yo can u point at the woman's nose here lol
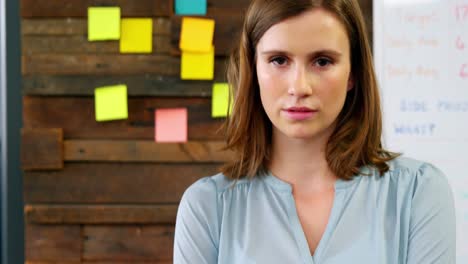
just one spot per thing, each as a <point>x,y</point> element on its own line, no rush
<point>301,83</point>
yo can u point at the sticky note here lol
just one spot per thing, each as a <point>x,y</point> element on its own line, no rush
<point>196,34</point>
<point>171,125</point>
<point>220,100</point>
<point>197,66</point>
<point>103,23</point>
<point>136,35</point>
<point>111,103</point>
<point>190,7</point>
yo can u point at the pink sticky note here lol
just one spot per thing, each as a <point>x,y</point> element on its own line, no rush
<point>170,125</point>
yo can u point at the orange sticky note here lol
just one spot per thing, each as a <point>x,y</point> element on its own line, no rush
<point>171,125</point>
<point>196,34</point>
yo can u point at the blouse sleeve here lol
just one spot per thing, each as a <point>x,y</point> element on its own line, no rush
<point>196,231</point>
<point>432,236</point>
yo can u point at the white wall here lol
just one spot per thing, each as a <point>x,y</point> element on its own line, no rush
<point>421,56</point>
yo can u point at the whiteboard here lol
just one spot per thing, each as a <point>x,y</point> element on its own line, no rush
<point>421,59</point>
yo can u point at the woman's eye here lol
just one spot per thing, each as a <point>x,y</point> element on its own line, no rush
<point>322,62</point>
<point>280,61</point>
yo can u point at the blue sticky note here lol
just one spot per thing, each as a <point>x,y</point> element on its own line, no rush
<point>190,7</point>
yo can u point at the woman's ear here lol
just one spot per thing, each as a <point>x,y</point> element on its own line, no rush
<point>350,82</point>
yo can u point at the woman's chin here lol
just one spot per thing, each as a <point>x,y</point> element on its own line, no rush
<point>300,135</point>
<point>304,133</point>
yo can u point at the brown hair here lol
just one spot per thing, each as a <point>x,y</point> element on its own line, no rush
<point>356,140</point>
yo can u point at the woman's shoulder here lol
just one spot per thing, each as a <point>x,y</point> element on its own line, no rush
<point>414,168</point>
<point>209,185</point>
<point>209,188</point>
<point>203,198</point>
<point>416,175</point>
<point>425,192</point>
<point>403,163</point>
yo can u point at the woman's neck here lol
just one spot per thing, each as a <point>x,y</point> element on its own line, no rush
<point>302,163</point>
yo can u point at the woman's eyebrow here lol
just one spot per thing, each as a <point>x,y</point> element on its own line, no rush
<point>316,53</point>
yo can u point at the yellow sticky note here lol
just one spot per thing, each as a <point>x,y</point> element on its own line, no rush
<point>111,103</point>
<point>196,34</point>
<point>197,66</point>
<point>136,35</point>
<point>220,100</point>
<point>103,23</point>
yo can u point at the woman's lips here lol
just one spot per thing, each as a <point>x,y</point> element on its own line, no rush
<point>299,113</point>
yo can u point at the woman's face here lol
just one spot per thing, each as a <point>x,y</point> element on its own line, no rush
<point>303,69</point>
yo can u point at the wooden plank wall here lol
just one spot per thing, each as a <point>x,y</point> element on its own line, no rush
<point>106,192</point>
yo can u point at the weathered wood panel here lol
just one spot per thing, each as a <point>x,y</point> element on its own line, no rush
<point>144,151</point>
<point>127,262</point>
<point>76,117</point>
<point>227,4</point>
<point>100,214</point>
<point>42,149</point>
<point>38,44</point>
<point>92,64</point>
<point>78,26</point>
<point>78,8</point>
<point>105,64</point>
<point>113,183</point>
<point>51,152</point>
<point>137,85</point>
<point>53,262</point>
<point>128,243</point>
<point>53,243</point>
<point>366,7</point>
<point>100,262</point>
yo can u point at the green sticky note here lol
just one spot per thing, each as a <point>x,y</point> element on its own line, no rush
<point>111,103</point>
<point>220,100</point>
<point>103,23</point>
<point>137,35</point>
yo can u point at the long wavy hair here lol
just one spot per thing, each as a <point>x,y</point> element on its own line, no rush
<point>356,139</point>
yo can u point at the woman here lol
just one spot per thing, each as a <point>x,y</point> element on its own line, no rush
<point>310,182</point>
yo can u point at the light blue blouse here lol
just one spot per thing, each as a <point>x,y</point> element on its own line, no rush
<point>406,216</point>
